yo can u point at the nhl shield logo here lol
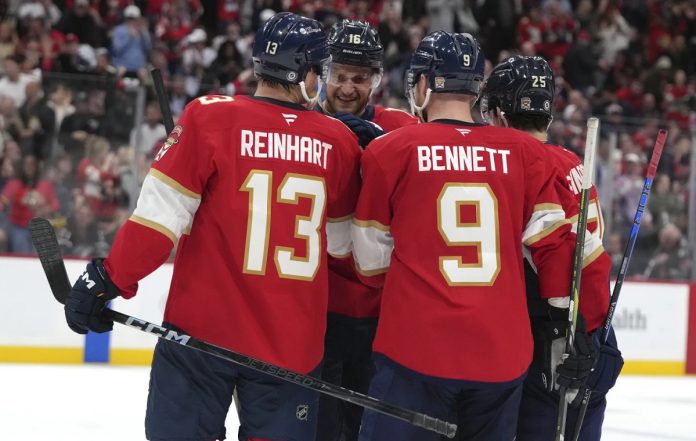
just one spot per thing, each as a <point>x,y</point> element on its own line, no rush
<point>439,83</point>
<point>526,103</point>
<point>302,412</point>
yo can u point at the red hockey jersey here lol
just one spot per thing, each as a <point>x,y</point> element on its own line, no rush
<point>446,206</point>
<point>250,183</point>
<point>347,295</point>
<point>594,284</point>
<point>391,119</point>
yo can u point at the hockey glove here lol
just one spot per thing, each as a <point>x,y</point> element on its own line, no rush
<point>608,366</point>
<point>365,130</point>
<point>87,300</point>
<point>557,368</point>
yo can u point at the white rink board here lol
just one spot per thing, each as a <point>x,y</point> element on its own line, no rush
<point>651,321</point>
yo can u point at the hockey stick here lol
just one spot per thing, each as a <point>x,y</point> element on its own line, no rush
<point>163,102</point>
<point>46,244</point>
<point>587,177</point>
<point>628,252</point>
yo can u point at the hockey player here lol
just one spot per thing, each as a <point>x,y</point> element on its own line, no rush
<point>444,208</point>
<point>357,59</point>
<point>520,94</point>
<point>354,73</point>
<point>246,186</point>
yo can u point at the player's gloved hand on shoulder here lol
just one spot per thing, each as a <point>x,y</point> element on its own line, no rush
<point>85,304</point>
<point>560,369</point>
<point>365,130</point>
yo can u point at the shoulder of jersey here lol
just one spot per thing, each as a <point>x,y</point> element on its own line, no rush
<point>564,153</point>
<point>336,125</point>
<point>213,109</point>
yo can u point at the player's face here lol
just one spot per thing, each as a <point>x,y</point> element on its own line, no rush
<point>348,88</point>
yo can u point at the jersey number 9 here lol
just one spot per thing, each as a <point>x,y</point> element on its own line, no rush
<point>481,233</point>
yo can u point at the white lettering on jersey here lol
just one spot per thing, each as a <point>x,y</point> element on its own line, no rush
<point>462,158</point>
<point>270,145</point>
<point>574,179</point>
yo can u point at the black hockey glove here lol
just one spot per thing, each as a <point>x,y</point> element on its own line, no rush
<point>558,368</point>
<point>365,130</point>
<point>87,300</point>
<point>608,366</point>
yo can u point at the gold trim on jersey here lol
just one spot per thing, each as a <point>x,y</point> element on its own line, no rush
<point>547,207</point>
<point>370,224</point>
<point>154,226</point>
<point>173,183</point>
<point>593,256</point>
<point>333,220</point>
<point>542,234</point>
<point>370,273</point>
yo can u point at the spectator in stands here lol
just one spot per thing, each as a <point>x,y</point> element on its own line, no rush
<point>664,204</point>
<point>84,22</point>
<point>25,197</point>
<point>14,83</point>
<point>144,137</point>
<point>671,259</point>
<point>614,33</point>
<point>77,127</point>
<point>223,70</point>
<point>39,121</point>
<point>178,98</point>
<point>614,246</point>
<point>131,44</point>
<point>8,42</point>
<point>69,59</point>
<point>196,59</point>
<point>81,236</point>
<point>98,179</point>
<point>60,101</point>
<point>580,63</point>
<point>629,187</point>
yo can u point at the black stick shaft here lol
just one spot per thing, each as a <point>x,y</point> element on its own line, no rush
<point>163,100</point>
<point>44,239</point>
<point>415,418</point>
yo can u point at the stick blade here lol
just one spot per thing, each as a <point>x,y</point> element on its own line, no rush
<point>46,244</point>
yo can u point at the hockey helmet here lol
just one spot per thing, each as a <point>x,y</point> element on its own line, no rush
<point>356,43</point>
<point>451,62</point>
<point>519,85</point>
<point>288,46</point>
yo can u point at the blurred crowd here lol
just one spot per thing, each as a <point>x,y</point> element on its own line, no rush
<point>79,121</point>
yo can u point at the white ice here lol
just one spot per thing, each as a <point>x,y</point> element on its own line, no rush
<point>105,403</point>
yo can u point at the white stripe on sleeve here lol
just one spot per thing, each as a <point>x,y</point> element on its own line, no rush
<point>161,203</point>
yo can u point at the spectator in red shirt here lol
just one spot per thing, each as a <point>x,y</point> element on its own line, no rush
<point>27,197</point>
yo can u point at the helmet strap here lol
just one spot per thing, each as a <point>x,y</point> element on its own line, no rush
<point>415,108</point>
<point>311,102</point>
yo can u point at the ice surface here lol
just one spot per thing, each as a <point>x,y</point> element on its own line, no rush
<point>87,402</point>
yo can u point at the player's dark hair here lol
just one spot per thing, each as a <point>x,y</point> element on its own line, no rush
<point>275,84</point>
<point>527,122</point>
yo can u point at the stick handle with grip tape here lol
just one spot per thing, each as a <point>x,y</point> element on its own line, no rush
<point>44,239</point>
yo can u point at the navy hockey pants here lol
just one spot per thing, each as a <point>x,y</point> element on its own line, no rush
<point>483,411</point>
<point>348,363</point>
<point>191,392</point>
